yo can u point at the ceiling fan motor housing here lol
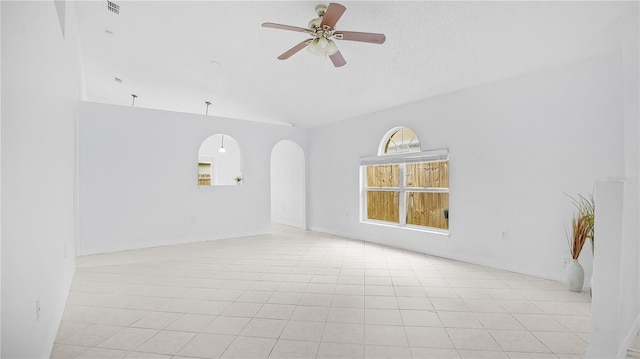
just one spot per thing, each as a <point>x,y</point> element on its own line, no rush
<point>315,23</point>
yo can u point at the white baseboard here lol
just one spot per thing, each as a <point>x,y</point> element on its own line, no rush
<point>171,242</point>
<point>290,224</point>
<point>462,258</point>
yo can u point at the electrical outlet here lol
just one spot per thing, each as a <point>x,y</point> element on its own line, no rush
<point>505,235</point>
<point>37,310</point>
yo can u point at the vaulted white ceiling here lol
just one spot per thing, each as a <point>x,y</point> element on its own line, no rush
<point>176,55</point>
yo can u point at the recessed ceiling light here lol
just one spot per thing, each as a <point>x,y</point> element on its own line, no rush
<point>118,80</point>
<point>108,32</point>
<point>215,63</point>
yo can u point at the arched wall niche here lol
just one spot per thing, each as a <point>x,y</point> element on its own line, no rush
<point>219,161</point>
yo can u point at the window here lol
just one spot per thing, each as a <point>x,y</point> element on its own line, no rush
<point>402,139</point>
<point>404,186</point>
<point>427,193</point>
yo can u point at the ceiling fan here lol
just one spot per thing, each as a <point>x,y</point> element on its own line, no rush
<point>323,32</point>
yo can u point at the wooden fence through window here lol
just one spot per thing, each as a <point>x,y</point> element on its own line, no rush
<point>427,174</point>
<point>383,206</point>
<point>383,176</point>
<point>429,209</point>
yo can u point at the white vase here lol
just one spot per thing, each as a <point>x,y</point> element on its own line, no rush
<point>575,276</point>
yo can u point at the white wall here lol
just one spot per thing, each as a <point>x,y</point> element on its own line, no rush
<point>0,185</point>
<point>615,317</point>
<point>630,263</point>
<point>288,184</point>
<point>515,146</point>
<point>40,89</point>
<point>138,178</point>
<point>615,304</point>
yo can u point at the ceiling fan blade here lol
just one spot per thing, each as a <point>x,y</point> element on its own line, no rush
<point>294,49</point>
<point>332,15</point>
<point>337,59</point>
<point>360,36</point>
<point>285,27</point>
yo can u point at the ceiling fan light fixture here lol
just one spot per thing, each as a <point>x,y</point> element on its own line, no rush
<point>331,47</point>
<point>315,48</point>
<point>322,46</point>
<point>323,42</point>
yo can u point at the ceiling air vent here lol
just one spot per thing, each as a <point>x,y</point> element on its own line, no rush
<point>113,7</point>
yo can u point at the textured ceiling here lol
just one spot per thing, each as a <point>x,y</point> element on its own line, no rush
<point>175,55</point>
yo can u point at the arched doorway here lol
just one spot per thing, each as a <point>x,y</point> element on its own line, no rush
<point>288,190</point>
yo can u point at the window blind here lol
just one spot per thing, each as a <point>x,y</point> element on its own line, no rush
<point>409,157</point>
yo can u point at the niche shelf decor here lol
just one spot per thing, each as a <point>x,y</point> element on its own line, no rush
<point>204,174</point>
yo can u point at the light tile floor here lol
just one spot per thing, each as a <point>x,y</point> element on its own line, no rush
<point>301,294</point>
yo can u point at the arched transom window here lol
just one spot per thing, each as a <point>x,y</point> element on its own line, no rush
<point>400,140</point>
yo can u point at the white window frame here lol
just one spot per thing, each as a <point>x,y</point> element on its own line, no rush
<point>400,159</point>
